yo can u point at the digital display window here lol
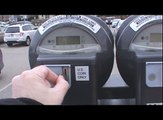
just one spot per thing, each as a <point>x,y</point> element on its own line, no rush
<point>156,37</point>
<point>67,40</point>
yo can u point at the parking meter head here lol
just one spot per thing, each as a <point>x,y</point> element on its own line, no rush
<point>79,46</point>
<point>139,39</point>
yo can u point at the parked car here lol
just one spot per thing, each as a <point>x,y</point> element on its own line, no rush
<point>19,33</point>
<point>120,23</point>
<point>20,22</point>
<point>1,35</point>
<point>115,23</point>
<point>2,29</point>
<point>1,61</point>
<point>109,20</point>
<point>3,24</point>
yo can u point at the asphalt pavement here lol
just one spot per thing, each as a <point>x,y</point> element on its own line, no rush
<point>15,61</point>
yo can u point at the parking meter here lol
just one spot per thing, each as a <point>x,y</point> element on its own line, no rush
<point>78,47</point>
<point>139,57</point>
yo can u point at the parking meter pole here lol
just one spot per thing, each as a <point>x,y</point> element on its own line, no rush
<point>116,93</point>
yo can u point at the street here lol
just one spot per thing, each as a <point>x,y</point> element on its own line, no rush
<point>15,61</point>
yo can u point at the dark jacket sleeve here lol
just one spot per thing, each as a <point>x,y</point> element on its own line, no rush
<point>19,101</point>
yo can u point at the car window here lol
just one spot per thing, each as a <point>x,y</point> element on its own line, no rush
<point>1,29</point>
<point>32,27</point>
<point>26,28</point>
<point>12,30</point>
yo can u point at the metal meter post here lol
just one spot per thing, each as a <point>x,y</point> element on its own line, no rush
<point>78,47</point>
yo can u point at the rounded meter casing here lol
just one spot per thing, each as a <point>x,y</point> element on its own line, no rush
<point>82,46</point>
<point>138,41</point>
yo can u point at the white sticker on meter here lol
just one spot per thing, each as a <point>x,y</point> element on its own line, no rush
<point>87,22</point>
<point>82,73</point>
<point>142,20</point>
<point>78,19</point>
<point>51,22</point>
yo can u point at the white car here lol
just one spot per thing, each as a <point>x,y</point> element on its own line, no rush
<point>19,33</point>
<point>120,23</point>
<point>115,22</point>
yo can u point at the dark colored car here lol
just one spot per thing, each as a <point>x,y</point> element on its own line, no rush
<point>1,61</point>
<point>1,35</point>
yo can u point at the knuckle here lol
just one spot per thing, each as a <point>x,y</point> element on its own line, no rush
<point>25,73</point>
<point>41,68</point>
<point>15,78</point>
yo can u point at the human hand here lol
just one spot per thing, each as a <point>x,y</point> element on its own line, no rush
<point>35,84</point>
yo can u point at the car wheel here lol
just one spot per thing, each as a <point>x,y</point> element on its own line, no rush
<point>28,41</point>
<point>9,44</point>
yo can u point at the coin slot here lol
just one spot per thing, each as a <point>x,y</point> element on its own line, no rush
<point>65,73</point>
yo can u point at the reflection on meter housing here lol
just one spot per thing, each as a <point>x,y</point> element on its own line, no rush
<point>68,40</point>
<point>80,48</point>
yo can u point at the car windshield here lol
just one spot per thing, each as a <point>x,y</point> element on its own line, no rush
<point>12,30</point>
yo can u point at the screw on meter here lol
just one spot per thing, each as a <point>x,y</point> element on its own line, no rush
<point>80,48</point>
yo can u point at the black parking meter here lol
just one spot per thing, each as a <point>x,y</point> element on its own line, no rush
<point>139,57</point>
<point>78,47</point>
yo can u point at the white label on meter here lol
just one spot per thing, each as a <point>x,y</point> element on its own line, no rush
<point>87,22</point>
<point>142,20</point>
<point>82,73</point>
<point>78,19</point>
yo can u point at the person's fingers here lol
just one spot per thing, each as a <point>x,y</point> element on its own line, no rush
<point>14,80</point>
<point>25,74</point>
<point>61,85</point>
<point>45,73</point>
<point>15,85</point>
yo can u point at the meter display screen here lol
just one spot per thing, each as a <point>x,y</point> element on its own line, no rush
<point>156,37</point>
<point>67,40</point>
<point>149,39</point>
